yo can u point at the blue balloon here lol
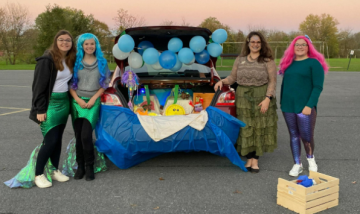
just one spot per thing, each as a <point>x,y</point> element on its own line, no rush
<point>151,56</point>
<point>167,59</point>
<point>186,55</point>
<point>126,43</point>
<point>143,46</point>
<point>202,57</point>
<point>219,36</point>
<point>197,44</point>
<point>175,44</point>
<point>178,64</point>
<point>214,49</point>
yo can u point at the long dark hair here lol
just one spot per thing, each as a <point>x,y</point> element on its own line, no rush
<point>265,51</point>
<point>57,56</point>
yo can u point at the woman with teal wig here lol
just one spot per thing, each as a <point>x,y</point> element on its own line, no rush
<point>90,80</point>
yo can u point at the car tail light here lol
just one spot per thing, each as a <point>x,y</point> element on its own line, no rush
<point>110,100</point>
<point>226,98</point>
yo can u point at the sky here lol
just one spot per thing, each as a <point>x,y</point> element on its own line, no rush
<point>238,14</point>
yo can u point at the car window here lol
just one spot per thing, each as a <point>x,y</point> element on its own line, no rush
<point>152,72</point>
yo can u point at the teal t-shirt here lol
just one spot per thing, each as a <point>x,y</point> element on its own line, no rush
<point>302,84</point>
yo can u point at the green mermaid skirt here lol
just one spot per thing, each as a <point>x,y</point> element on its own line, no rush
<point>260,132</point>
<point>57,114</point>
<point>92,114</point>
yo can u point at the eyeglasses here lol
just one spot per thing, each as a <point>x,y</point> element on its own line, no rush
<point>253,42</point>
<point>301,45</point>
<point>64,40</point>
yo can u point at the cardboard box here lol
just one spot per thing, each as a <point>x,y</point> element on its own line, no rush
<point>319,197</point>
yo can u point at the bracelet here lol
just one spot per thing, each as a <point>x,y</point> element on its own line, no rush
<point>270,97</point>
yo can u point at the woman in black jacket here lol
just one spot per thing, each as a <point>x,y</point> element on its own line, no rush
<point>50,109</point>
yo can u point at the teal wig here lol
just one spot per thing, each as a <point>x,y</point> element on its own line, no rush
<point>102,63</point>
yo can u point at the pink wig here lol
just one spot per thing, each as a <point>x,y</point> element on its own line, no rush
<point>289,55</point>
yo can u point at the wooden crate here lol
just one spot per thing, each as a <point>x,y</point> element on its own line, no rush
<point>207,97</point>
<point>322,196</point>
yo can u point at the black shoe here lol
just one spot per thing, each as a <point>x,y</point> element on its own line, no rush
<point>90,173</point>
<point>255,170</point>
<point>80,172</point>
<point>248,168</point>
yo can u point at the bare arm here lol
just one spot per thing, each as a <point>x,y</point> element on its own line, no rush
<point>80,101</point>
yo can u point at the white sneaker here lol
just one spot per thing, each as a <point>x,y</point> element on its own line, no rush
<point>42,182</point>
<point>58,176</point>
<point>296,170</point>
<point>312,164</point>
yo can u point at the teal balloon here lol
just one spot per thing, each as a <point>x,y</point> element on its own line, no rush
<point>167,59</point>
<point>214,49</point>
<point>178,64</point>
<point>197,44</point>
<point>203,57</point>
<point>175,44</point>
<point>186,55</point>
<point>151,56</point>
<point>126,43</point>
<point>219,36</point>
<point>143,46</point>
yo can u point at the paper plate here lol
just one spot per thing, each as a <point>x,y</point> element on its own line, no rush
<point>174,109</point>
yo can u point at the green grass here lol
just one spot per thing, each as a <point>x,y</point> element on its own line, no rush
<point>226,65</point>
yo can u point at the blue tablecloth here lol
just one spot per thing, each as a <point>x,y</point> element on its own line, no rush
<point>124,141</point>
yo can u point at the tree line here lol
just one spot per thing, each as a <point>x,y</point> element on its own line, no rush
<point>21,41</point>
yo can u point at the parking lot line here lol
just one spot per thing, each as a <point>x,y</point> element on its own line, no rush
<point>16,86</point>
<point>13,112</point>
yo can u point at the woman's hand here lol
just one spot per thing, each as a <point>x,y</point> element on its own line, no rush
<point>41,117</point>
<point>264,105</point>
<point>81,103</point>
<point>306,111</point>
<point>217,85</point>
<point>90,103</point>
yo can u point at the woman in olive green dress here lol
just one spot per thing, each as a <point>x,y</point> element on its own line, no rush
<point>255,72</point>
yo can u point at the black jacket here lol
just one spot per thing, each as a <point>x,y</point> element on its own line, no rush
<point>44,79</point>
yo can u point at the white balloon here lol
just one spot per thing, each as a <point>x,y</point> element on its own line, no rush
<point>118,54</point>
<point>135,60</point>
<point>156,66</point>
<point>190,63</point>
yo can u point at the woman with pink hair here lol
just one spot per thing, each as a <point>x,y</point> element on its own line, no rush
<point>303,70</point>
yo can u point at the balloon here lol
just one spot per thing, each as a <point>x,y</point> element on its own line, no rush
<point>186,55</point>
<point>214,49</point>
<point>178,64</point>
<point>126,43</point>
<point>192,62</point>
<point>118,54</point>
<point>197,44</point>
<point>202,57</point>
<point>151,56</point>
<point>143,46</point>
<point>175,44</point>
<point>167,59</point>
<point>219,36</point>
<point>135,60</point>
<point>156,66</point>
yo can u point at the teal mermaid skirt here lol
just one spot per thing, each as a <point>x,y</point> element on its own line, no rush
<point>57,114</point>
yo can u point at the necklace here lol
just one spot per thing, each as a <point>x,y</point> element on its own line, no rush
<point>252,58</point>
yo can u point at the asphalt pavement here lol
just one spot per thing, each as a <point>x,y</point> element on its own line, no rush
<point>196,182</point>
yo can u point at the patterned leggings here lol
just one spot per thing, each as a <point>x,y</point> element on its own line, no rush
<point>301,126</point>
